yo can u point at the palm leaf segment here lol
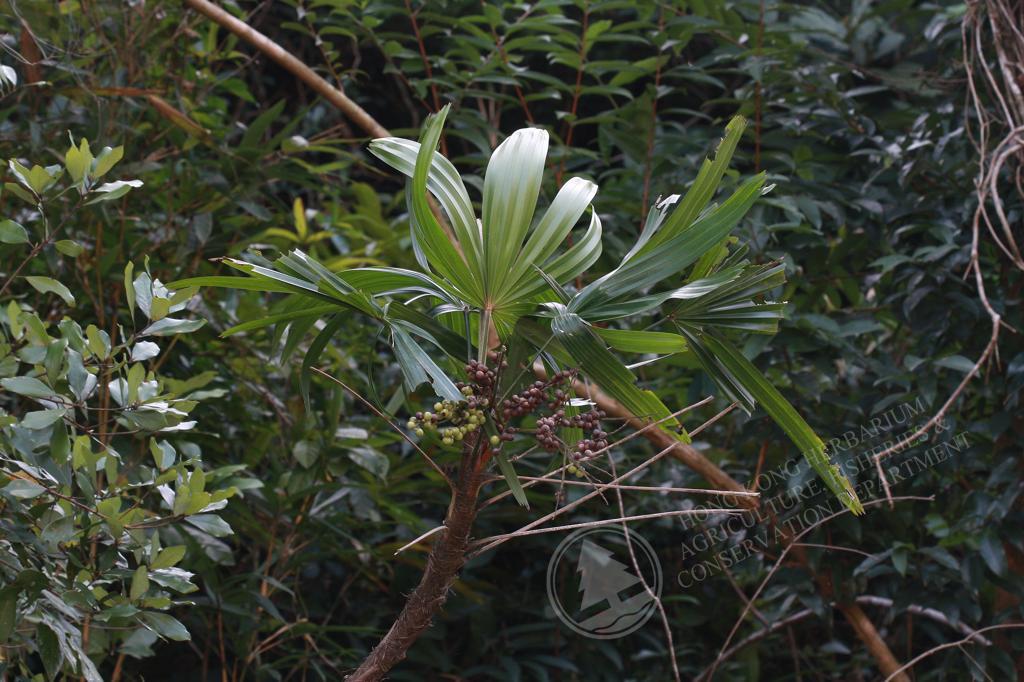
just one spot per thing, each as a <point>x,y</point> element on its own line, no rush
<point>507,269</point>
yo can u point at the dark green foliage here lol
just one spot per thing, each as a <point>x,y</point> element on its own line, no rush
<point>856,258</point>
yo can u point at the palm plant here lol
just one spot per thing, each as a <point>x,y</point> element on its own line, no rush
<point>503,284</point>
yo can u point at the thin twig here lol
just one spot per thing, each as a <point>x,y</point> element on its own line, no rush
<point>394,426</point>
<point>645,488</point>
<point>490,544</point>
<point>643,581</point>
<point>498,539</point>
<point>418,540</point>
<point>949,645</point>
<point>778,564</point>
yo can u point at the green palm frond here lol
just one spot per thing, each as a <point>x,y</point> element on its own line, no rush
<point>508,268</point>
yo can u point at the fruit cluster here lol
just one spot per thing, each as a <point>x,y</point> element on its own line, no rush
<point>598,440</point>
<point>453,421</point>
<point>463,418</point>
<point>532,397</point>
<point>547,430</point>
<point>480,374</point>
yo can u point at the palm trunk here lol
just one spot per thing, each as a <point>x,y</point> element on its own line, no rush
<point>446,559</point>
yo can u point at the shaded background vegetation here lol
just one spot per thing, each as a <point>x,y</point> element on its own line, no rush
<point>858,114</point>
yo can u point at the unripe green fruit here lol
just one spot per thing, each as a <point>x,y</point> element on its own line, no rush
<point>419,432</point>
<point>495,440</point>
<point>447,441</point>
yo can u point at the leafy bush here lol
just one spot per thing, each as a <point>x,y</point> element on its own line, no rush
<point>101,486</point>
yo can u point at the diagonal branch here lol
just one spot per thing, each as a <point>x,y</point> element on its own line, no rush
<point>292,64</point>
<point>315,81</point>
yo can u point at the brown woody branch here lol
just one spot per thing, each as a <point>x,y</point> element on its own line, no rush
<point>446,559</point>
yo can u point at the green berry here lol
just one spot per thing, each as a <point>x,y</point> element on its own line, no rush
<point>495,440</point>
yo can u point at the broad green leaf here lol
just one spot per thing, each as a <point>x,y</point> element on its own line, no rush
<point>168,557</point>
<point>106,160</point>
<point>8,611</point>
<point>163,454</point>
<point>114,190</point>
<point>43,419</point>
<point>144,350</point>
<point>49,650</point>
<point>140,583</point>
<point>129,287</point>
<point>370,459</point>
<point>78,160</point>
<point>48,285</point>
<point>27,386</point>
<point>69,247</point>
<point>299,216</point>
<point>12,233</point>
<point>169,326</point>
<point>99,341</point>
<point>164,625</point>
<point>20,192</point>
<point>23,489</point>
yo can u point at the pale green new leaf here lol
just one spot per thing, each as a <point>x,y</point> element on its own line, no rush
<point>445,183</point>
<point>428,237</point>
<point>511,186</point>
<point>554,226</point>
<point>565,267</point>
